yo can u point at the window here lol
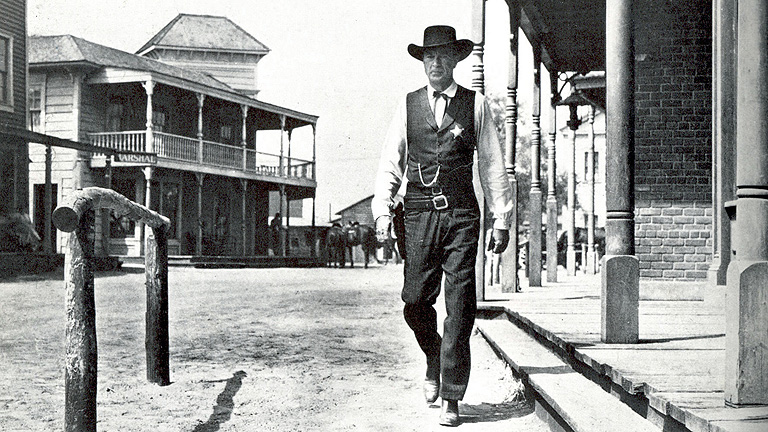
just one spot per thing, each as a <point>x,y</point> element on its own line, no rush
<point>226,133</point>
<point>158,121</point>
<point>115,119</point>
<point>35,107</point>
<point>6,71</point>
<point>122,227</point>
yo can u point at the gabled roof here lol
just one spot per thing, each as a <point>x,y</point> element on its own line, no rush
<point>204,32</point>
<point>357,203</point>
<point>68,49</point>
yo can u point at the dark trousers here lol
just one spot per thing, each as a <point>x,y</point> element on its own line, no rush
<point>442,243</point>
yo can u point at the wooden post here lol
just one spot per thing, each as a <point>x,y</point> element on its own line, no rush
<point>509,258</point>
<point>573,124</point>
<point>478,85</point>
<point>552,182</point>
<point>199,241</point>
<point>77,217</point>
<point>156,341</point>
<point>621,271</point>
<point>244,188</point>
<point>534,201</point>
<point>723,133</point>
<point>105,214</point>
<point>746,309</point>
<point>80,374</point>
<point>314,151</point>
<point>281,167</point>
<point>591,255</point>
<point>200,102</point>
<point>149,87</point>
<point>244,143</point>
<point>48,202</point>
<point>290,137</point>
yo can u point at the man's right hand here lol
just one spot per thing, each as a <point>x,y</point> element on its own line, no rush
<point>383,228</point>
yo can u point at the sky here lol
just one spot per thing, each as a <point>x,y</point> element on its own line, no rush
<point>342,60</point>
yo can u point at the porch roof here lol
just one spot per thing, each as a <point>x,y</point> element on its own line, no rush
<point>571,32</point>
<point>68,50</point>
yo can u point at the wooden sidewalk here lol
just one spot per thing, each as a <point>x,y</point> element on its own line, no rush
<point>674,377</point>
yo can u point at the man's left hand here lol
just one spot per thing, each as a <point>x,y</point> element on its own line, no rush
<point>499,240</point>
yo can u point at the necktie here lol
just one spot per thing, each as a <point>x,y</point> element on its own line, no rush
<point>441,102</point>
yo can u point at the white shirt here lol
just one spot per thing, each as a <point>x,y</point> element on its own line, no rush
<point>490,160</point>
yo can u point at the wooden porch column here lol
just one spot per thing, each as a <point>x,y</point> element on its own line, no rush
<point>244,143</point>
<point>48,202</point>
<point>200,102</point>
<point>290,137</point>
<point>621,274</point>
<point>570,255</point>
<point>591,258</point>
<point>148,174</point>
<point>244,184</point>
<point>284,214</point>
<point>723,133</point>
<point>534,201</point>
<point>282,133</point>
<point>149,87</point>
<point>478,84</point>
<point>552,182</point>
<point>199,241</point>
<point>746,309</point>
<point>314,153</point>
<point>509,258</point>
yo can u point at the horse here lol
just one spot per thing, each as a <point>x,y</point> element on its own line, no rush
<point>364,236</point>
<point>334,246</point>
<point>17,233</point>
<point>580,237</point>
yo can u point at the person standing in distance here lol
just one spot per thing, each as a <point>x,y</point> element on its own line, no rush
<point>431,144</point>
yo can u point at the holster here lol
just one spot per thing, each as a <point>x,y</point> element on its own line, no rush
<point>398,225</point>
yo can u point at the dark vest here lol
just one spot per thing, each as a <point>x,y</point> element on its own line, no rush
<point>450,146</point>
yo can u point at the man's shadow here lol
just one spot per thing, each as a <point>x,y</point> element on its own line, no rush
<point>225,403</point>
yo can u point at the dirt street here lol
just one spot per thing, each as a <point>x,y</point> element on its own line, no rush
<point>256,349</point>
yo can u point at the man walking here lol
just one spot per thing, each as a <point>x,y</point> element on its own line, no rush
<point>431,143</point>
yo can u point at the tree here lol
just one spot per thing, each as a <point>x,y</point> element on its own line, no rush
<point>497,104</point>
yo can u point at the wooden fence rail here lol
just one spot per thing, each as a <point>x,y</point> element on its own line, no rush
<point>77,217</point>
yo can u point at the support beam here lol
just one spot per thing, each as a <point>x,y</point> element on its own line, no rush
<point>48,202</point>
<point>723,133</point>
<point>509,258</point>
<point>244,189</point>
<point>149,88</point>
<point>591,255</point>
<point>281,162</point>
<point>478,85</point>
<point>621,270</point>
<point>746,310</point>
<point>552,182</point>
<point>199,241</point>
<point>570,255</point>
<point>534,201</point>
<point>200,102</point>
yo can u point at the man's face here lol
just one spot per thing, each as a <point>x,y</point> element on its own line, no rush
<point>439,63</point>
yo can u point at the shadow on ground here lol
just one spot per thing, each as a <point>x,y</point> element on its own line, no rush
<point>225,403</point>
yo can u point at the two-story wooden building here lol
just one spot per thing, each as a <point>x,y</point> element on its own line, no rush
<point>213,152</point>
<point>13,149</point>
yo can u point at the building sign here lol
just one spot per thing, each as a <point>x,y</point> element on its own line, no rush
<point>137,158</point>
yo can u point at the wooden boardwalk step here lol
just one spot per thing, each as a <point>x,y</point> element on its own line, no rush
<point>582,404</point>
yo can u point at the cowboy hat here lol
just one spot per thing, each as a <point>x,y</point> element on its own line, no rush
<point>441,35</point>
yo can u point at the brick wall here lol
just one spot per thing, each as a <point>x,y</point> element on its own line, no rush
<point>673,239</point>
<point>673,139</point>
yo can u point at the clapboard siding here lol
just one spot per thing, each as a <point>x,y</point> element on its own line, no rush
<point>13,24</point>
<point>59,96</point>
<point>93,110</point>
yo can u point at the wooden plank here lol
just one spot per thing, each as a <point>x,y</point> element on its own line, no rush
<point>584,405</point>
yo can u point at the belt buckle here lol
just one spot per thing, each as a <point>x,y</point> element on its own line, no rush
<point>440,202</point>
<point>437,191</point>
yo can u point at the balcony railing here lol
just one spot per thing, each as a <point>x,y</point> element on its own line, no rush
<point>185,149</point>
